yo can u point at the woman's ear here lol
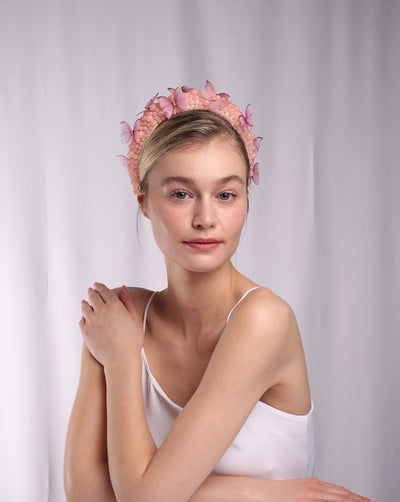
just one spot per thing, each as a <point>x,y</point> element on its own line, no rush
<point>142,204</point>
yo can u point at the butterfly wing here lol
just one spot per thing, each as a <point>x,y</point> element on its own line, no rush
<point>243,122</point>
<point>256,175</point>
<point>136,130</point>
<point>180,99</point>
<point>218,103</point>
<point>166,106</point>
<point>124,160</point>
<point>126,132</point>
<point>209,91</point>
<point>151,101</point>
<point>249,115</point>
<point>257,142</point>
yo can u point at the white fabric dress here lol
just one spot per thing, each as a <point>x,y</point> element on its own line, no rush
<point>271,444</point>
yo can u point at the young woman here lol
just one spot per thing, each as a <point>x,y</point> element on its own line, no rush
<point>198,392</point>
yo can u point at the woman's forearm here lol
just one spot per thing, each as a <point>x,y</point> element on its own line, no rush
<point>129,442</point>
<point>91,485</point>
<point>95,486</point>
<point>229,489</point>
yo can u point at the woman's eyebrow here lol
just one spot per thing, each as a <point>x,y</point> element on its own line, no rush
<point>189,181</point>
<point>232,177</point>
<point>177,179</point>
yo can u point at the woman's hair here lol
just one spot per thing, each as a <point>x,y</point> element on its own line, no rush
<point>186,129</point>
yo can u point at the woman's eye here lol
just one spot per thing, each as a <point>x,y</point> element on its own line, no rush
<point>226,195</point>
<point>180,195</point>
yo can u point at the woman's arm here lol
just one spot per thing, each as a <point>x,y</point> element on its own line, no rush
<point>120,388</point>
<point>286,490</point>
<point>86,474</point>
<point>86,471</point>
<point>250,353</point>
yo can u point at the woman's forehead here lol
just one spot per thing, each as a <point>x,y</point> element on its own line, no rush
<point>216,159</point>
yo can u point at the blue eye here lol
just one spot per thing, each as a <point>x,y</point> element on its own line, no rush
<point>226,195</point>
<point>180,194</point>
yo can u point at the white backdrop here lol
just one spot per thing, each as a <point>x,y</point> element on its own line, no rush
<point>323,79</point>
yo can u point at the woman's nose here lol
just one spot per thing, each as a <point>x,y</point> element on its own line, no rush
<point>204,215</point>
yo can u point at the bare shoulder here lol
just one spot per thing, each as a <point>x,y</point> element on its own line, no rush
<point>264,332</point>
<point>262,308</point>
<point>269,322</point>
<point>249,359</point>
<point>141,295</point>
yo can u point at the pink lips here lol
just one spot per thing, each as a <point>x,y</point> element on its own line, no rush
<point>204,244</point>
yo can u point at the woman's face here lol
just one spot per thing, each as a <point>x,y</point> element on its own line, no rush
<point>197,203</point>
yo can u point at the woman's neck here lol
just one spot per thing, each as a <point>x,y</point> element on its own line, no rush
<point>197,303</point>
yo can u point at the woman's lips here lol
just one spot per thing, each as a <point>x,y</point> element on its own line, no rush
<point>203,244</point>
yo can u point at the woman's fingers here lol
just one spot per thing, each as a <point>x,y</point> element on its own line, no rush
<point>86,308</point>
<point>95,298</point>
<point>98,297</point>
<point>329,492</point>
<point>345,494</point>
<point>310,490</point>
<point>105,293</point>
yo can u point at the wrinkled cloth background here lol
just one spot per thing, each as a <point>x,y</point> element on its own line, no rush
<point>323,80</point>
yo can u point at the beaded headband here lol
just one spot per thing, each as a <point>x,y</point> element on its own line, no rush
<point>180,100</point>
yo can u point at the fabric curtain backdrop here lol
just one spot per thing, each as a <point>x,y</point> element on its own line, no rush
<point>323,80</point>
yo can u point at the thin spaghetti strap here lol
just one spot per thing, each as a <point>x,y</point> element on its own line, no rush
<point>146,309</point>
<point>237,303</point>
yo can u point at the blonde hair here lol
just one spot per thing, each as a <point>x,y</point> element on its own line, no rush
<point>187,129</point>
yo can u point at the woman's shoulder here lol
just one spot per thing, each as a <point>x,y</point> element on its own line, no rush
<point>260,300</point>
<point>141,295</point>
<point>262,309</point>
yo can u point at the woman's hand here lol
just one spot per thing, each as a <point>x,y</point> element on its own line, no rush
<point>307,490</point>
<point>110,326</point>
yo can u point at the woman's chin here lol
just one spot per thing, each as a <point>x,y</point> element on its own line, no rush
<point>202,264</point>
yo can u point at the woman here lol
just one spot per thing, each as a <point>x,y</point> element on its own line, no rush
<point>198,392</point>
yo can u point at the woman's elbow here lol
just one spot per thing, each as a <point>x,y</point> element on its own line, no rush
<point>91,485</point>
<point>142,493</point>
<point>75,490</point>
<point>69,485</point>
<point>71,490</point>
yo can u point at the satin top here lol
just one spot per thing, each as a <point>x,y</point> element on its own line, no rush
<point>271,444</point>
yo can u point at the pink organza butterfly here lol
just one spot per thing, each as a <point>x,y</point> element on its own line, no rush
<point>247,118</point>
<point>257,142</point>
<point>124,161</point>
<point>126,131</point>
<point>217,100</point>
<point>180,99</point>
<point>166,106</point>
<point>218,103</point>
<point>255,175</point>
<point>209,92</point>
<point>149,103</point>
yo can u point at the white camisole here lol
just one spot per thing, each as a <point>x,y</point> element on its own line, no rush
<point>271,444</point>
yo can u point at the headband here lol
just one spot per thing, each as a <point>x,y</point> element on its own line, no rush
<point>181,99</point>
